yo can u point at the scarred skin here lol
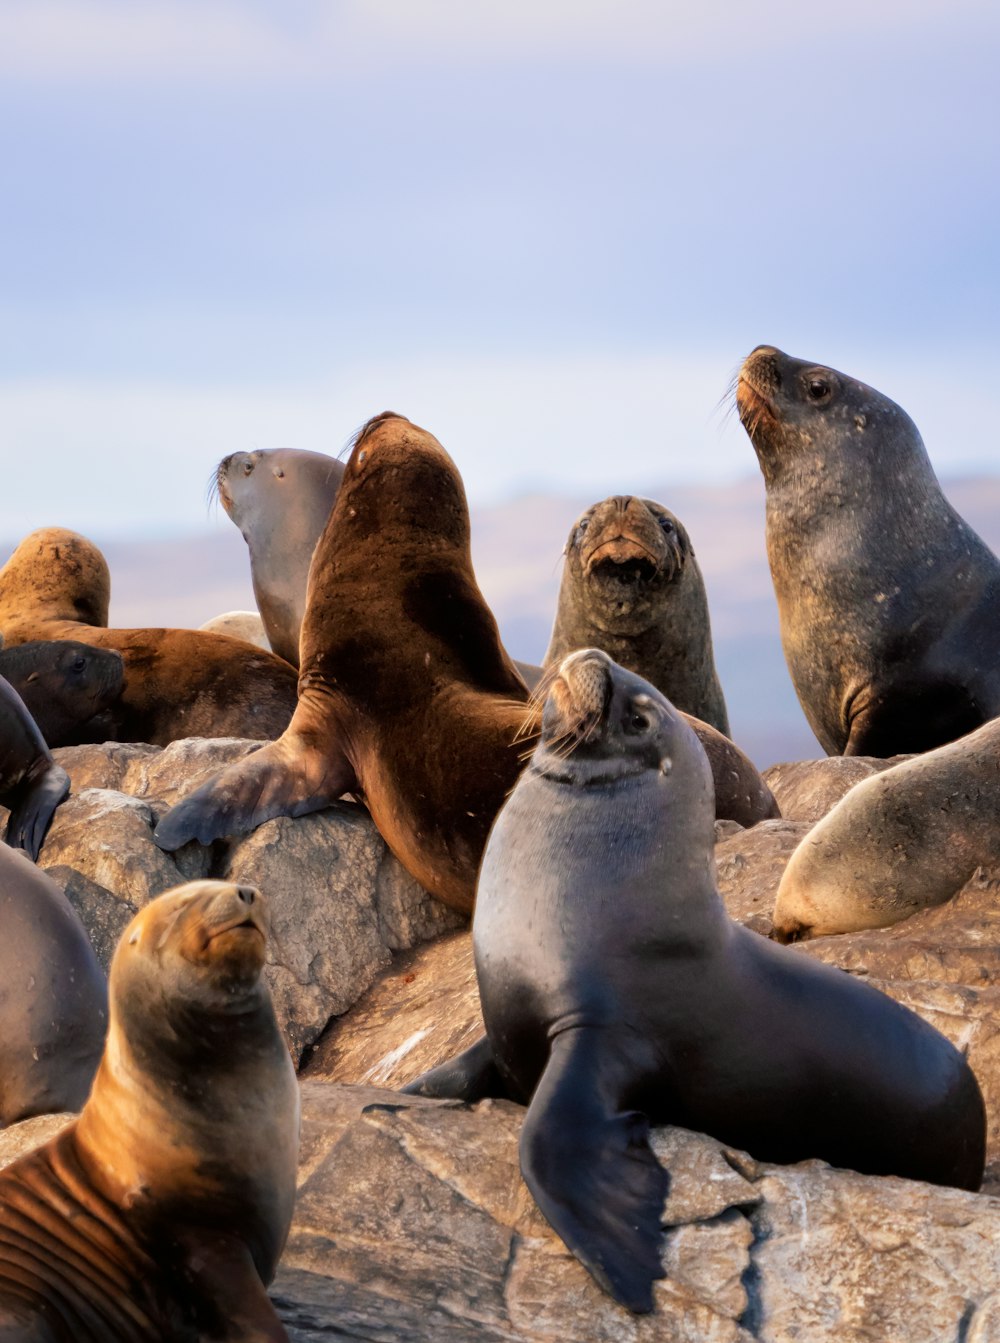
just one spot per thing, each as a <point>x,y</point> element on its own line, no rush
<point>31,783</point>
<point>889,601</point>
<point>178,683</point>
<point>899,842</point>
<point>159,1215</point>
<point>280,499</point>
<point>632,586</point>
<point>617,992</point>
<point>405,692</point>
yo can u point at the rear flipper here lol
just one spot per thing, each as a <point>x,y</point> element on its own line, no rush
<point>288,777</point>
<point>469,1076</point>
<point>34,804</point>
<point>590,1167</point>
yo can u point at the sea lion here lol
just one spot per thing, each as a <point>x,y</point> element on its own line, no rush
<point>889,601</point>
<point>31,783</point>
<point>66,686</point>
<point>405,692</point>
<point>178,683</point>
<point>159,1215</point>
<point>280,500</point>
<point>632,586</point>
<point>245,625</point>
<point>898,842</point>
<point>54,1003</point>
<point>616,993</point>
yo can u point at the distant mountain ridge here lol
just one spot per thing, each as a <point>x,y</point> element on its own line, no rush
<point>517,548</point>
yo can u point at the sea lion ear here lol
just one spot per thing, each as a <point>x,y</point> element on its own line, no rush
<point>134,938</point>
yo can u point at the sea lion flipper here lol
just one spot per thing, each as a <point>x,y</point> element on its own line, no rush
<point>219,1269</point>
<point>288,777</point>
<point>32,813</point>
<point>592,1171</point>
<point>470,1076</point>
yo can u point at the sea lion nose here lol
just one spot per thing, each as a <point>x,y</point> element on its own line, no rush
<point>762,366</point>
<point>247,894</point>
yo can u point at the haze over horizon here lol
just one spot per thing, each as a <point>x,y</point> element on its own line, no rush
<point>547,233</point>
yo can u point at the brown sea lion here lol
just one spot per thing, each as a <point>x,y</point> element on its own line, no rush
<point>889,601</point>
<point>66,686</point>
<point>632,586</point>
<point>898,842</point>
<point>178,683</point>
<point>280,500</point>
<point>159,1215</point>
<point>617,993</point>
<point>31,783</point>
<point>405,692</point>
<point>54,1001</point>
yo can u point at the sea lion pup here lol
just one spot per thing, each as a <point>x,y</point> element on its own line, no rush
<point>31,783</point>
<point>616,993</point>
<point>889,601</point>
<point>280,500</point>
<point>178,683</point>
<point>405,692</point>
<point>159,1215</point>
<point>54,1005</point>
<point>66,686</point>
<point>898,842</point>
<point>632,586</point>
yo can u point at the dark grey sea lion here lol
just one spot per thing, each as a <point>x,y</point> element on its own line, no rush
<point>617,992</point>
<point>66,687</point>
<point>889,601</point>
<point>280,500</point>
<point>53,1004</point>
<point>631,586</point>
<point>31,783</point>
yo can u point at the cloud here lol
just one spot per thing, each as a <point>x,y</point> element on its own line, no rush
<point>162,41</point>
<point>128,459</point>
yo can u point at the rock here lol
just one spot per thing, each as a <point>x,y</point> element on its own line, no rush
<point>104,916</point>
<point>805,790</point>
<point>749,865</point>
<point>422,1010</point>
<point>341,904</point>
<point>108,838</point>
<point>412,1223</point>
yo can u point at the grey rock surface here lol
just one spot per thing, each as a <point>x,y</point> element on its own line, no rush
<point>806,790</point>
<point>749,865</point>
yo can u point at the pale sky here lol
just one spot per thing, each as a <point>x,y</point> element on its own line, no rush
<point>547,231</point>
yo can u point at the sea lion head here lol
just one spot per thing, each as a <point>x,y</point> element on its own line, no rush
<point>197,950</point>
<point>98,674</point>
<point>399,483</point>
<point>55,574</point>
<point>797,411</point>
<point>272,483</point>
<point>601,723</point>
<point>625,553</point>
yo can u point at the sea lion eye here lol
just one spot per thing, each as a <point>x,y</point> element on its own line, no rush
<point>819,389</point>
<point>247,468</point>
<point>581,527</point>
<point>667,525</point>
<point>361,456</point>
<point>638,721</point>
<point>79,664</point>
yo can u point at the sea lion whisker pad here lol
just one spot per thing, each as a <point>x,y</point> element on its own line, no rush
<point>616,993</point>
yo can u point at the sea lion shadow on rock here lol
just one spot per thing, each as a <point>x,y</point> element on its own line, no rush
<point>616,992</point>
<point>889,601</point>
<point>159,1215</point>
<point>406,694</point>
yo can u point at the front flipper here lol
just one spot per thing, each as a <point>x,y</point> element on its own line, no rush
<point>591,1169</point>
<point>34,805</point>
<point>469,1076</point>
<point>288,777</point>
<point>223,1290</point>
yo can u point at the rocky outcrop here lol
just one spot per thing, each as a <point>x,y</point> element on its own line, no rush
<point>749,865</point>
<point>340,902</point>
<point>806,790</point>
<point>413,1223</point>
